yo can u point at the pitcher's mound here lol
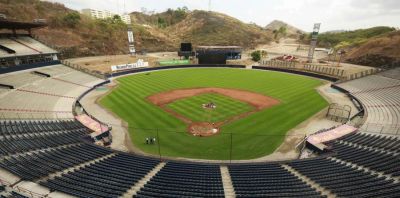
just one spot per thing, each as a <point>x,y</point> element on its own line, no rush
<point>203,129</point>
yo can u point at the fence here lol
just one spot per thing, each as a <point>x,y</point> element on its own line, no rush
<point>361,74</point>
<point>339,113</point>
<point>325,70</point>
<point>341,74</point>
<point>83,69</point>
<point>277,63</point>
<point>297,71</point>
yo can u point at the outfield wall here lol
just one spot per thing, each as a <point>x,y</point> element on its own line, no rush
<point>121,73</point>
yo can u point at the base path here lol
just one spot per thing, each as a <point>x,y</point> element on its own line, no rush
<point>258,101</point>
<point>255,99</point>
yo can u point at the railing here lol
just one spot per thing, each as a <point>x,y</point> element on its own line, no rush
<point>361,74</point>
<point>297,71</point>
<point>35,116</point>
<point>339,73</point>
<point>24,191</point>
<point>84,70</point>
<point>326,70</point>
<point>277,63</point>
<point>381,128</point>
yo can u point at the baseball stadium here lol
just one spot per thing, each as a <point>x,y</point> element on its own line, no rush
<point>121,106</point>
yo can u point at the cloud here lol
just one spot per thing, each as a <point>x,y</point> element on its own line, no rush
<point>340,14</point>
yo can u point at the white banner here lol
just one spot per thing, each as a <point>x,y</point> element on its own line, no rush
<point>132,49</point>
<point>140,63</point>
<point>130,37</point>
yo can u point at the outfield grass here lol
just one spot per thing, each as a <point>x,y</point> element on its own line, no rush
<point>254,136</point>
<point>226,107</point>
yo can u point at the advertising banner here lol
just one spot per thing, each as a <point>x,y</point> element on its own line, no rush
<point>174,62</point>
<point>140,63</point>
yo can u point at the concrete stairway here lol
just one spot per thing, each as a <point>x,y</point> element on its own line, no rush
<point>74,168</point>
<point>310,182</point>
<point>140,184</point>
<point>227,182</point>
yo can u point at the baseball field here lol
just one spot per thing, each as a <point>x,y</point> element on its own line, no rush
<point>252,110</point>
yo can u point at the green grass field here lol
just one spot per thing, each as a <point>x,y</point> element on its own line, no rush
<point>254,136</point>
<point>226,107</point>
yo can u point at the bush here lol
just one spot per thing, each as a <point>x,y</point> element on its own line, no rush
<point>256,56</point>
<point>72,19</point>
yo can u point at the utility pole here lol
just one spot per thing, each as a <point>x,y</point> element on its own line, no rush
<point>124,7</point>
<point>209,5</point>
<point>341,53</point>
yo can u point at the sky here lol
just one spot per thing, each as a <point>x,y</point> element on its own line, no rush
<point>333,14</point>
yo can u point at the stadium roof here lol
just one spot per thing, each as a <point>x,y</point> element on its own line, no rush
<point>230,49</point>
<point>219,47</point>
<point>15,25</point>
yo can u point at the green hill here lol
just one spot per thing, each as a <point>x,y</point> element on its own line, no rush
<point>377,46</point>
<point>351,38</point>
<point>377,51</point>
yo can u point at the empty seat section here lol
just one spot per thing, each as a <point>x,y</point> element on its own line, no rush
<point>111,177</point>
<point>36,165</point>
<point>346,181</point>
<point>268,180</point>
<point>185,180</point>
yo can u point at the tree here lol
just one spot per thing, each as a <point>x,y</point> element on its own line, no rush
<point>283,30</point>
<point>161,22</point>
<point>72,19</point>
<point>256,55</point>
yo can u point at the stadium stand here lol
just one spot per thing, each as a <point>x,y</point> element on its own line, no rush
<point>380,161</point>
<point>21,51</point>
<point>38,95</point>
<point>346,181</point>
<point>380,98</point>
<point>268,180</point>
<point>186,180</point>
<point>23,136</point>
<point>54,153</point>
<point>391,144</point>
<point>5,51</point>
<point>34,44</point>
<point>393,73</point>
<point>19,48</point>
<point>110,177</point>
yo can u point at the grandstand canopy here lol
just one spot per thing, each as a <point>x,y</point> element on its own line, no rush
<point>15,25</point>
<point>219,48</point>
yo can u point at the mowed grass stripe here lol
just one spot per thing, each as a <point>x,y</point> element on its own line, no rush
<point>254,136</point>
<point>192,107</point>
